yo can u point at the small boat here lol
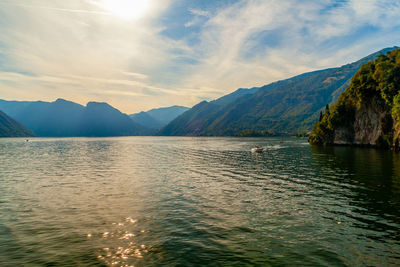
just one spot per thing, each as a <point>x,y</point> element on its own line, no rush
<point>257,149</point>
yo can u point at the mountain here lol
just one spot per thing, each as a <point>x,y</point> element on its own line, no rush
<point>11,128</point>
<point>100,119</point>
<point>368,111</point>
<point>63,118</point>
<point>158,118</point>
<point>143,118</point>
<point>287,106</point>
<point>226,99</point>
<point>166,115</point>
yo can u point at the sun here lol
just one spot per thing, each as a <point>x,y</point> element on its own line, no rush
<point>127,9</point>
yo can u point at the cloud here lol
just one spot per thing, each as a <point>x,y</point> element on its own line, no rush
<point>16,4</point>
<point>199,12</point>
<point>309,35</point>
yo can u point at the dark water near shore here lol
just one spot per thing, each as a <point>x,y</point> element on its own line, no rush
<point>147,201</point>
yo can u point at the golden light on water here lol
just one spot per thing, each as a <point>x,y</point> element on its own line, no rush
<point>127,9</point>
<point>120,246</point>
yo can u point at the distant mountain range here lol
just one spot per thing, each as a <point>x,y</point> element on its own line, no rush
<point>11,128</point>
<point>157,118</point>
<point>287,106</point>
<point>63,118</point>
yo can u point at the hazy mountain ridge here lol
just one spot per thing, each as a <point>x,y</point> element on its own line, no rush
<point>63,118</point>
<point>157,118</point>
<point>11,128</point>
<point>146,120</point>
<point>287,106</point>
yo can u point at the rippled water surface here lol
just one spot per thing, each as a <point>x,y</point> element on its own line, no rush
<point>155,201</point>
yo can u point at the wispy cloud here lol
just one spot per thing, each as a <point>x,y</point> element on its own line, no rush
<point>199,12</point>
<point>307,35</point>
<point>54,8</point>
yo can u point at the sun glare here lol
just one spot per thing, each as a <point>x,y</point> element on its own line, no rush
<point>127,9</point>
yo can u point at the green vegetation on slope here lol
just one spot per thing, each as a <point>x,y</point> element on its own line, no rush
<point>254,133</point>
<point>374,90</point>
<point>11,128</point>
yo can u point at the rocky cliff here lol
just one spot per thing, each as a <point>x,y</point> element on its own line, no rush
<point>368,111</point>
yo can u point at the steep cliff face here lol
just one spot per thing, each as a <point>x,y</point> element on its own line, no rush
<point>368,111</point>
<point>369,127</point>
<point>369,124</point>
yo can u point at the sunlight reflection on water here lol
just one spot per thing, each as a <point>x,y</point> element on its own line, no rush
<point>121,246</point>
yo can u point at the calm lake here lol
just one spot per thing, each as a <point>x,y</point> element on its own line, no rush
<point>180,201</point>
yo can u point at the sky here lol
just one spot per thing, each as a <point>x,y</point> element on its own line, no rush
<point>143,54</point>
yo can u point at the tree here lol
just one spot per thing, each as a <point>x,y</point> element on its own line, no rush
<point>327,110</point>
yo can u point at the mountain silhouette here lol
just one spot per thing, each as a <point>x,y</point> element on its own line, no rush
<point>63,118</point>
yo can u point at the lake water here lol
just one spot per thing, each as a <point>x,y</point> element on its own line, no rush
<point>157,201</point>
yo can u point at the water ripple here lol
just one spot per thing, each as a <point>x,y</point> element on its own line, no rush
<point>147,201</point>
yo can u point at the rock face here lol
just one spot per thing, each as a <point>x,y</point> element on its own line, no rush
<point>367,113</point>
<point>368,128</point>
